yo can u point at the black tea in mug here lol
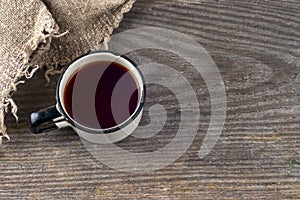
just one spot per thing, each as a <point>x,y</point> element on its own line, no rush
<point>101,94</point>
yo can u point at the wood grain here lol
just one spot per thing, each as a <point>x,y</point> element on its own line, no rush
<point>256,46</point>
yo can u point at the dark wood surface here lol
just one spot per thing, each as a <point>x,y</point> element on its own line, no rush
<point>256,46</point>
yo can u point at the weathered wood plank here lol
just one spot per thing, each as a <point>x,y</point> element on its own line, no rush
<point>255,44</point>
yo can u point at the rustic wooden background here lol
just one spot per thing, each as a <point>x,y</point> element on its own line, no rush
<point>256,46</point>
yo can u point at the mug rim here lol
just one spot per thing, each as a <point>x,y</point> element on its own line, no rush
<point>106,130</point>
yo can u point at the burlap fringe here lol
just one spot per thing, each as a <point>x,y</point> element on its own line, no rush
<point>50,30</point>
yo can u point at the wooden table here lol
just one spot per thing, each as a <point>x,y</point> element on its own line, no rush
<point>256,46</point>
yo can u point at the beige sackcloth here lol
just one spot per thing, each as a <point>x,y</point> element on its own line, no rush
<point>50,34</point>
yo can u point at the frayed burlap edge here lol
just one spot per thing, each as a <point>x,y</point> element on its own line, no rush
<point>38,44</point>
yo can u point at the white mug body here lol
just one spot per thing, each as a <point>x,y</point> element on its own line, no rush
<point>56,117</point>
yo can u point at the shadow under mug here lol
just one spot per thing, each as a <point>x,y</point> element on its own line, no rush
<point>56,117</point>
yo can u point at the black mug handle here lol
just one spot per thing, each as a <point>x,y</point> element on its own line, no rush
<point>44,120</point>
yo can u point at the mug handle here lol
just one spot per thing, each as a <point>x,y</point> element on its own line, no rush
<point>45,120</point>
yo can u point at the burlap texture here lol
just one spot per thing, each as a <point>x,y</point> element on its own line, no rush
<point>49,33</point>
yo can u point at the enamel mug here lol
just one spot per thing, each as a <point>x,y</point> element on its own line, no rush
<point>56,116</point>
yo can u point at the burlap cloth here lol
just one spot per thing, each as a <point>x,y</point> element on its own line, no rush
<point>49,33</point>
